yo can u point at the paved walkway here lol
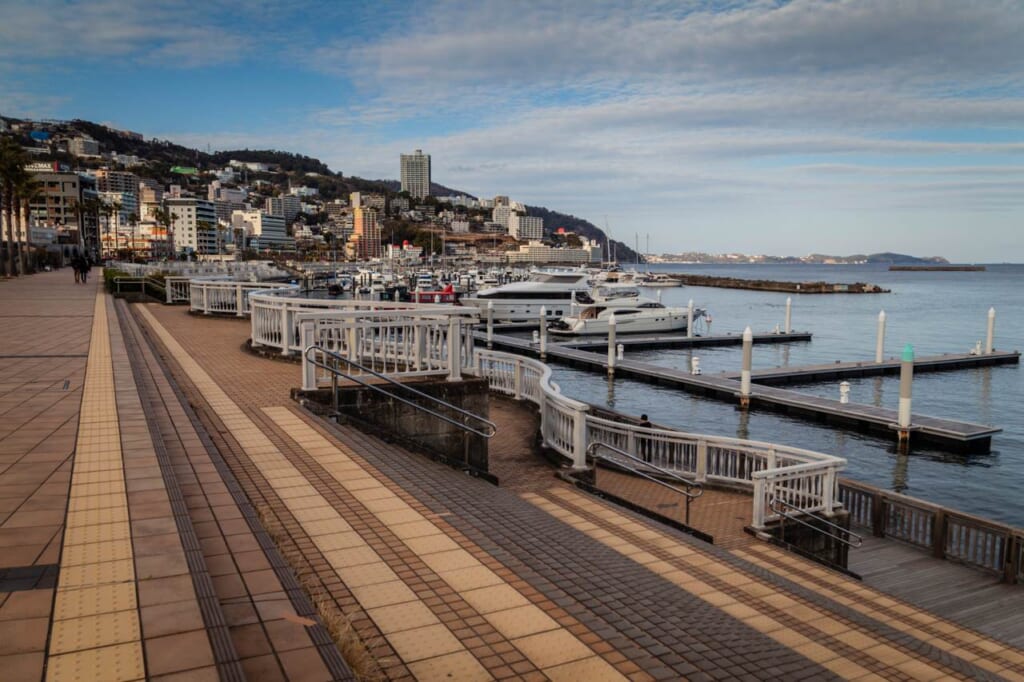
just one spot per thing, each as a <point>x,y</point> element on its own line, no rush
<point>172,514</point>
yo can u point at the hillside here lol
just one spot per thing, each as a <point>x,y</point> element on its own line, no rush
<point>162,155</point>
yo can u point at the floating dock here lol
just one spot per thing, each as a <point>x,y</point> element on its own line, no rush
<point>867,368</point>
<point>948,433</point>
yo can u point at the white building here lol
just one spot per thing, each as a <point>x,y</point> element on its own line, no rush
<point>536,252</point>
<point>285,206</point>
<point>193,224</point>
<point>501,214</point>
<point>416,174</point>
<point>525,227</point>
<point>250,165</point>
<point>367,200</point>
<point>460,226</point>
<point>262,230</point>
<point>83,146</point>
<point>303,191</point>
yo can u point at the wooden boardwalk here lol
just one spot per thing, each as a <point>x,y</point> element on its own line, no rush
<point>968,596</point>
<point>651,341</point>
<point>945,432</point>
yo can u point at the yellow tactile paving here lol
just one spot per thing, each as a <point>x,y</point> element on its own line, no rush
<point>482,588</point>
<point>95,633</point>
<point>862,599</point>
<point>751,616</point>
<point>459,666</point>
<point>332,535</point>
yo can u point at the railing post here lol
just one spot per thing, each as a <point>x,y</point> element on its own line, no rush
<point>1011,567</point>
<point>239,300</point>
<point>286,330</point>
<point>517,385</point>
<point>878,514</point>
<point>939,528</point>
<point>579,438</point>
<point>702,460</point>
<point>308,368</point>
<point>417,346</point>
<point>167,292</point>
<point>758,517</point>
<point>828,491</point>
<point>454,352</point>
<point>353,341</point>
<point>206,300</point>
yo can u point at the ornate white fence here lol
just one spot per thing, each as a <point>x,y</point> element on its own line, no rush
<point>274,323</point>
<point>211,296</point>
<point>177,289</point>
<point>392,342</point>
<point>408,340</point>
<point>802,478</point>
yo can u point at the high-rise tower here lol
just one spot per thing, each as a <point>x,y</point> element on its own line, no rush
<point>416,174</point>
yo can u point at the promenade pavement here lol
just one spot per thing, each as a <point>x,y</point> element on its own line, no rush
<point>174,515</point>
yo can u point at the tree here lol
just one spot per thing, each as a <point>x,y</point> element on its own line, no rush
<point>12,165</point>
<point>26,189</point>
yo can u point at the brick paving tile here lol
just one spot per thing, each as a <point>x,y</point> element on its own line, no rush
<point>651,606</point>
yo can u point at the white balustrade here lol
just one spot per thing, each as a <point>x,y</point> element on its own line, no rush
<point>212,296</point>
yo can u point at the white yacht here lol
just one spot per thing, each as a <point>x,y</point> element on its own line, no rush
<point>555,290</point>
<point>659,279</point>
<point>646,316</point>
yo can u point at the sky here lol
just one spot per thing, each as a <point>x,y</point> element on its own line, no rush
<point>784,128</point>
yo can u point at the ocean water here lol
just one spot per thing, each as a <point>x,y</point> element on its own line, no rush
<point>936,312</point>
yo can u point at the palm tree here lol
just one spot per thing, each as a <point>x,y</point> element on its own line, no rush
<point>26,189</point>
<point>133,221</point>
<point>12,164</point>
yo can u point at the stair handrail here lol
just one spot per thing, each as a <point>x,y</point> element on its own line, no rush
<point>488,430</point>
<point>821,519</point>
<point>689,485</point>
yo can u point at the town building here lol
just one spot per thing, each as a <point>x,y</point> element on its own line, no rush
<point>117,181</point>
<point>366,233</point>
<point>501,215</point>
<point>285,206</point>
<point>367,200</point>
<point>536,252</point>
<point>193,225</point>
<point>83,146</point>
<point>261,230</point>
<point>415,170</point>
<point>460,226</point>
<point>524,227</point>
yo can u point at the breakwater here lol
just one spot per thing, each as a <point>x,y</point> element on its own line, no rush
<point>937,268</point>
<point>775,285</point>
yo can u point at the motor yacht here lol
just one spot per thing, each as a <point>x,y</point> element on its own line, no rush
<point>555,290</point>
<point>645,317</point>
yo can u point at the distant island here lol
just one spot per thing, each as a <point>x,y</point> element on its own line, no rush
<point>886,258</point>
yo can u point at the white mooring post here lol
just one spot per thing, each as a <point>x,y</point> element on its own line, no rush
<point>788,327</point>
<point>748,356</point>
<point>695,366</point>
<point>490,325</point>
<point>906,391</point>
<point>989,337</point>
<point>620,351</point>
<point>844,392</point>
<point>880,341</point>
<point>689,319</point>
<point>611,345</point>
<point>543,332</point>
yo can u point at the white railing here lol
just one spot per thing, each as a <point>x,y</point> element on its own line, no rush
<point>401,339</point>
<point>390,342</point>
<point>212,296</point>
<point>802,478</point>
<point>177,289</point>
<point>273,315</point>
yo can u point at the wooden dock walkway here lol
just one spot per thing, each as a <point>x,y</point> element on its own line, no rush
<point>958,435</point>
<point>651,341</point>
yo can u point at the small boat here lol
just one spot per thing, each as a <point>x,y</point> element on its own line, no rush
<point>659,279</point>
<point>446,295</point>
<point>649,317</point>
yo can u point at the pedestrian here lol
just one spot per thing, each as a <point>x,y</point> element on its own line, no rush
<point>645,440</point>
<point>76,265</point>
<point>86,267</point>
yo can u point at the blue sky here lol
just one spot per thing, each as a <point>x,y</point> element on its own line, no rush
<point>759,127</point>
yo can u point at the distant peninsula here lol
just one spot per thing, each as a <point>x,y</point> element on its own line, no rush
<point>886,258</point>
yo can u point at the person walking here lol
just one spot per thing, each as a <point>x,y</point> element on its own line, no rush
<point>645,441</point>
<point>86,267</point>
<point>76,265</point>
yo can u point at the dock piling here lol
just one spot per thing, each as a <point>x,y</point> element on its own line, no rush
<point>490,325</point>
<point>880,341</point>
<point>543,332</point>
<point>844,392</point>
<point>620,352</point>
<point>991,331</point>
<point>906,391</point>
<point>695,366</point>
<point>748,355</point>
<point>689,319</point>
<point>789,315</point>
<point>611,345</point>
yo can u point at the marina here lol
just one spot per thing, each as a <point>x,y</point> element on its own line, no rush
<point>955,434</point>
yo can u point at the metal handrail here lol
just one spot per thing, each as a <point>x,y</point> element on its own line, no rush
<point>821,519</point>
<point>142,281</point>
<point>690,485</point>
<point>490,428</point>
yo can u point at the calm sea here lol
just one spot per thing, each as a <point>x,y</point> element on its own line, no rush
<point>936,312</point>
